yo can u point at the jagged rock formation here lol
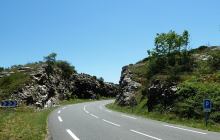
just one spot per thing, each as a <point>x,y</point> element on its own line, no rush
<point>87,86</point>
<point>45,90</point>
<point>128,88</point>
<point>161,92</point>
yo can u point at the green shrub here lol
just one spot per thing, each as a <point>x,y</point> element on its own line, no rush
<point>156,65</point>
<point>215,60</point>
<point>67,69</point>
<point>10,83</point>
<point>215,116</point>
<point>190,98</point>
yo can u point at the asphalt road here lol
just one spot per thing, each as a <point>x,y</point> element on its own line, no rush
<point>92,121</point>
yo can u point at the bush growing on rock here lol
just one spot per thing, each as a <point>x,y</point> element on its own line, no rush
<point>175,80</point>
<point>67,69</point>
<point>51,58</point>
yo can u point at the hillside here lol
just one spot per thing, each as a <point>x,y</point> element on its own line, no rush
<point>172,90</point>
<point>44,84</point>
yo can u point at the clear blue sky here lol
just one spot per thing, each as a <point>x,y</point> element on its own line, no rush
<point>98,37</point>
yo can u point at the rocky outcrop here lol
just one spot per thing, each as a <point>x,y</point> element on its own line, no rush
<point>128,88</point>
<point>45,90</point>
<point>161,92</point>
<point>87,86</point>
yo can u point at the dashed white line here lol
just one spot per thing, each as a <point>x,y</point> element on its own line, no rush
<point>59,112</point>
<point>60,119</point>
<point>152,137</point>
<point>87,111</point>
<point>129,117</point>
<point>111,123</point>
<point>84,108</point>
<point>185,129</point>
<point>72,134</point>
<point>94,116</point>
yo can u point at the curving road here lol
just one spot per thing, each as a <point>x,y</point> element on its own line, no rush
<point>92,121</point>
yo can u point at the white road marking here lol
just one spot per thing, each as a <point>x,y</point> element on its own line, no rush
<point>185,129</point>
<point>111,123</point>
<point>72,135</point>
<point>85,110</point>
<point>60,119</point>
<point>94,116</point>
<point>64,108</point>
<point>129,117</point>
<point>145,135</point>
<point>59,112</point>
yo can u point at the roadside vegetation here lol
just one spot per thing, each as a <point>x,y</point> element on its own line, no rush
<point>182,78</point>
<point>11,83</point>
<point>141,110</point>
<point>15,123</point>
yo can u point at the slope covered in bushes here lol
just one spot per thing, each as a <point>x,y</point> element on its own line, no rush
<point>174,79</point>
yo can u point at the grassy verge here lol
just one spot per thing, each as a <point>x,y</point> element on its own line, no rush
<point>170,118</point>
<point>24,123</point>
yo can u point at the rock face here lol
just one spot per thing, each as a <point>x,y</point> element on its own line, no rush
<point>45,90</point>
<point>128,88</point>
<point>161,92</point>
<point>87,86</point>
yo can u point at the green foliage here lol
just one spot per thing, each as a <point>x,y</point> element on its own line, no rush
<point>101,80</point>
<point>191,96</point>
<point>215,60</point>
<point>140,110</point>
<point>169,62</point>
<point>67,69</point>
<point>203,67</point>
<point>25,123</point>
<point>10,83</point>
<point>170,42</point>
<point>1,69</point>
<point>156,65</point>
<point>170,55</point>
<point>51,58</point>
<point>199,49</point>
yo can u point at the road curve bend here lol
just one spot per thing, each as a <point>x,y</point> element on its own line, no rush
<point>93,121</point>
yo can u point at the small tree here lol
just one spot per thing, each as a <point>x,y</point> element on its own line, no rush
<point>51,58</point>
<point>185,39</point>
<point>101,80</point>
<point>169,42</point>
